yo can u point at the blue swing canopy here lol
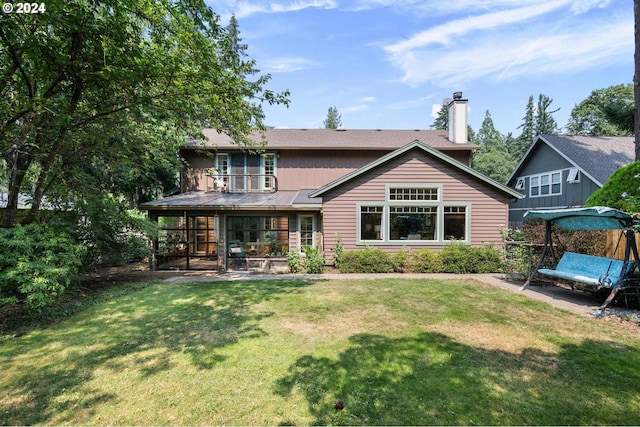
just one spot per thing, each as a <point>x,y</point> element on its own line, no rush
<point>595,218</point>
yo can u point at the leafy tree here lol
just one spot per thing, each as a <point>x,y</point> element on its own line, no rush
<point>497,165</point>
<point>605,112</point>
<point>333,119</point>
<point>104,85</point>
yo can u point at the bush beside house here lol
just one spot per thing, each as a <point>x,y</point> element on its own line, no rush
<point>455,258</point>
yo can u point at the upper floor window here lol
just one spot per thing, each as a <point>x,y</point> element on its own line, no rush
<point>546,184</point>
<point>268,170</point>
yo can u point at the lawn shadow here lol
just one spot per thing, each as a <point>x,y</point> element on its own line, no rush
<point>138,333</point>
<point>431,379</point>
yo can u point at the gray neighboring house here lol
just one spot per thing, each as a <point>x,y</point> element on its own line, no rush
<point>560,171</point>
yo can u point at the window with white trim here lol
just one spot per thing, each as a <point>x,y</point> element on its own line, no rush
<point>573,175</point>
<point>306,225</point>
<point>413,214</point>
<point>546,184</point>
<point>268,171</point>
<point>371,222</point>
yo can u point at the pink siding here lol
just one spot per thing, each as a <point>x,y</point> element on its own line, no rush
<point>315,168</point>
<point>298,169</point>
<point>489,208</point>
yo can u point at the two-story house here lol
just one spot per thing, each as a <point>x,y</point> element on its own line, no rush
<point>312,187</point>
<point>561,171</point>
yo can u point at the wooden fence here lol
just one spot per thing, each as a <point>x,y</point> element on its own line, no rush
<point>612,241</point>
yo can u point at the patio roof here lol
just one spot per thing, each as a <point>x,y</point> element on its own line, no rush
<point>201,200</point>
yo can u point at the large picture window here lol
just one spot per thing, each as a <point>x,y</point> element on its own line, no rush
<point>413,214</point>
<point>413,222</point>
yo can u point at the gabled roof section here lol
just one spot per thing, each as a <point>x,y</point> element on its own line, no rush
<point>429,150</point>
<point>597,157</point>
<point>336,139</point>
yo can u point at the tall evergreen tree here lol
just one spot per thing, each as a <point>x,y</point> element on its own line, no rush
<point>442,121</point>
<point>333,119</point>
<point>545,123</point>
<point>524,141</point>
<point>488,137</point>
<point>493,160</point>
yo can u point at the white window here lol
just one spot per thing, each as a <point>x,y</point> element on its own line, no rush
<point>520,184</point>
<point>573,175</point>
<point>546,184</point>
<point>223,170</point>
<point>371,222</point>
<point>306,227</point>
<point>268,172</point>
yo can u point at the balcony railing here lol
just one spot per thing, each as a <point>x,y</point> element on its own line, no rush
<point>242,183</point>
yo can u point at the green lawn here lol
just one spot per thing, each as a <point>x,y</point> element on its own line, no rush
<point>280,352</point>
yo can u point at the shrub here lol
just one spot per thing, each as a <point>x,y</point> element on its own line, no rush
<point>401,260</point>
<point>369,260</point>
<point>37,264</point>
<point>427,261</point>
<point>314,262</point>
<point>456,259</point>
<point>486,259</point>
<point>293,261</point>
<point>337,251</point>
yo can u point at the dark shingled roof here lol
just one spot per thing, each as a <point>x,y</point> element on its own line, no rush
<point>339,139</point>
<point>596,156</point>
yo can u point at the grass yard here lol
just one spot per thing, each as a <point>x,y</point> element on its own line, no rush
<point>284,351</point>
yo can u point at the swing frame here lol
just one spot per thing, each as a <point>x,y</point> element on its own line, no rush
<point>596,218</point>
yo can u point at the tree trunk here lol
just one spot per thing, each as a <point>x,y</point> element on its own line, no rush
<point>636,79</point>
<point>18,163</point>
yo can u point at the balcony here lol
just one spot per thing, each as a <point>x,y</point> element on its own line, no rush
<point>241,183</point>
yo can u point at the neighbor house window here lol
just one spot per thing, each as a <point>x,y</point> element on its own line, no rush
<point>573,175</point>
<point>412,214</point>
<point>546,184</point>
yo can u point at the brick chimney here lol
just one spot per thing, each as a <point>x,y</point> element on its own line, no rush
<point>458,119</point>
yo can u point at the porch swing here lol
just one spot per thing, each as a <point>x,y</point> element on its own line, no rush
<point>592,273</point>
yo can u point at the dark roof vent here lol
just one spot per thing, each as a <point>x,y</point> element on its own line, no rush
<point>457,95</point>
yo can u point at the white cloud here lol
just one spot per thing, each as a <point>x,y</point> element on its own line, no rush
<point>501,45</point>
<point>242,9</point>
<point>286,64</point>
<point>360,104</point>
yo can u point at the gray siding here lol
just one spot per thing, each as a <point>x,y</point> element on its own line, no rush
<point>546,160</point>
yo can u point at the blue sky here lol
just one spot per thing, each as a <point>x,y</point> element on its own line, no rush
<point>388,64</point>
